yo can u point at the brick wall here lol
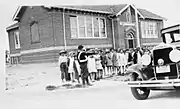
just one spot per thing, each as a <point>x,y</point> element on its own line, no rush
<point>51,32</point>
<point>44,19</point>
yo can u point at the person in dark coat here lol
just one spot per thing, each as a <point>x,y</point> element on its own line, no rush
<point>82,59</point>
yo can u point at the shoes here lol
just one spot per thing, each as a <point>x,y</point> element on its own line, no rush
<point>84,86</point>
<point>90,84</point>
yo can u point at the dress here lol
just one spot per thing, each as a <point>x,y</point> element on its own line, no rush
<point>71,65</point>
<point>91,65</point>
<point>121,59</point>
<point>114,59</point>
<point>98,62</point>
<point>109,60</point>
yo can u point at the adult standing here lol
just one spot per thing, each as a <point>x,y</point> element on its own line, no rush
<point>82,57</point>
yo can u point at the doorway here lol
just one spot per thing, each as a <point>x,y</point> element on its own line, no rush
<point>130,43</point>
<point>130,40</point>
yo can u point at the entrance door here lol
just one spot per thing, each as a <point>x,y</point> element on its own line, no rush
<point>130,40</point>
<point>130,43</point>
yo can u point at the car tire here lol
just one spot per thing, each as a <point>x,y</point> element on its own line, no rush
<point>138,95</point>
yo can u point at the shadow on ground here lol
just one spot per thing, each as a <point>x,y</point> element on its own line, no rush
<point>66,86</point>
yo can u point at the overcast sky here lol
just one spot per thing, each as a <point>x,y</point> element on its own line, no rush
<point>169,9</point>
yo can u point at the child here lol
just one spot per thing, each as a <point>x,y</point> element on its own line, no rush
<point>99,67</point>
<point>63,65</point>
<point>71,70</point>
<point>77,69</point>
<point>121,61</point>
<point>92,67</point>
<point>109,62</point>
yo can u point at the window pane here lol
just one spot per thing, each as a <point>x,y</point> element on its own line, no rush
<point>143,31</point>
<point>17,41</point>
<point>168,38</point>
<point>82,32</point>
<point>73,24</point>
<point>102,27</point>
<point>176,37</point>
<point>35,32</point>
<point>96,27</point>
<point>89,26</point>
<point>81,26</point>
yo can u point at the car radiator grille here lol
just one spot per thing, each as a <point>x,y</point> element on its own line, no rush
<point>164,54</point>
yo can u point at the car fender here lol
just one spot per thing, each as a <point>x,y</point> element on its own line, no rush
<point>136,70</point>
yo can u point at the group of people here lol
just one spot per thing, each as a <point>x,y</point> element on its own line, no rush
<point>89,65</point>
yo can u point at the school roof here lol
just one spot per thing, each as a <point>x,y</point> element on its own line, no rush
<point>106,9</point>
<point>13,26</point>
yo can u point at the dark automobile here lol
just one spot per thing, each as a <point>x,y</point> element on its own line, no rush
<point>160,69</point>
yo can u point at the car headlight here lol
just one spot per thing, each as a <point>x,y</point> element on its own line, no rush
<point>174,55</point>
<point>160,62</point>
<point>146,59</point>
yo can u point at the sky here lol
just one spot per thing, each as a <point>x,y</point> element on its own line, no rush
<point>165,8</point>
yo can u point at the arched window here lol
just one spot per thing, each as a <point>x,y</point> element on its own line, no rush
<point>34,30</point>
<point>130,35</point>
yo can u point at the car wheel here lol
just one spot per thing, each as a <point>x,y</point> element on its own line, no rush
<point>140,93</point>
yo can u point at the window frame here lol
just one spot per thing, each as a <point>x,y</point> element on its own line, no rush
<point>17,46</point>
<point>146,30</point>
<point>31,35</point>
<point>85,21</point>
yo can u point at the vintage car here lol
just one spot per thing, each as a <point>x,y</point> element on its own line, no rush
<point>160,69</point>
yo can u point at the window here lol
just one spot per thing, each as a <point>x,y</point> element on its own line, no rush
<point>149,29</point>
<point>87,27</point>
<point>168,38</point>
<point>81,21</point>
<point>96,27</point>
<point>73,24</point>
<point>16,38</point>
<point>128,17</point>
<point>35,37</point>
<point>176,37</point>
<point>102,28</point>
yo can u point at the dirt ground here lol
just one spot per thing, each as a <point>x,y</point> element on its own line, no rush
<point>20,76</point>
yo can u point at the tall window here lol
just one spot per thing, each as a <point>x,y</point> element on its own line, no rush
<point>87,27</point>
<point>128,15</point>
<point>81,21</point>
<point>149,29</point>
<point>102,28</point>
<point>96,27</point>
<point>35,37</point>
<point>16,38</point>
<point>73,20</point>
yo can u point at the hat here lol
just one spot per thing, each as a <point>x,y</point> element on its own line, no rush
<point>80,47</point>
<point>62,51</point>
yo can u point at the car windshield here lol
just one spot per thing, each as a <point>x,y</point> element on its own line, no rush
<point>172,37</point>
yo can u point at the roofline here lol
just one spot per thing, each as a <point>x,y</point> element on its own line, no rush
<point>122,10</point>
<point>105,12</point>
<point>16,13</point>
<point>12,27</point>
<point>170,28</point>
<point>64,7</point>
